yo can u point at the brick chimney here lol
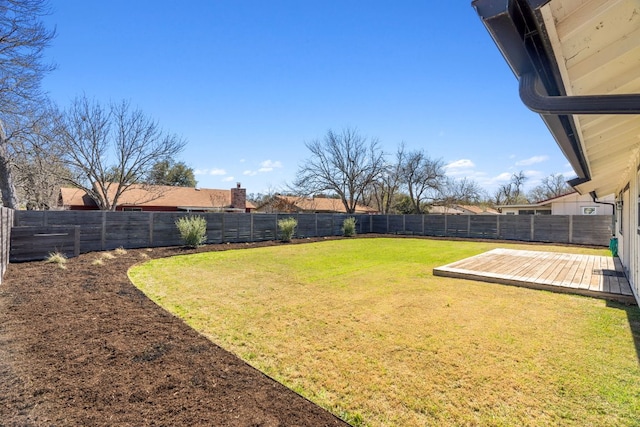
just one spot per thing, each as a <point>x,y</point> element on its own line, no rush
<point>239,198</point>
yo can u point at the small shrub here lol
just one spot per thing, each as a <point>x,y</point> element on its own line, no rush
<point>193,230</point>
<point>108,255</point>
<point>120,251</point>
<point>349,227</point>
<point>57,258</point>
<point>97,261</point>
<point>287,228</point>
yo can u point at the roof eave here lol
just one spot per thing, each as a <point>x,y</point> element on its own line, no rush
<point>518,29</point>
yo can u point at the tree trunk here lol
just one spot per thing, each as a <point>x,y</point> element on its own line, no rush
<point>7,188</point>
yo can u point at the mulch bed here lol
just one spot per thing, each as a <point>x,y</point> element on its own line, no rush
<point>84,347</point>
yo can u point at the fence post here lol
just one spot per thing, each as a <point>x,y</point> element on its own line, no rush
<point>445,225</point>
<point>533,228</point>
<point>151,217</point>
<point>222,227</point>
<point>570,228</point>
<point>251,227</point>
<point>76,241</point>
<point>103,236</point>
<point>497,226</point>
<point>332,225</point>
<point>423,224</point>
<point>468,225</point>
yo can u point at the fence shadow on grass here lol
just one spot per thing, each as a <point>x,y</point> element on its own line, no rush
<point>633,317</point>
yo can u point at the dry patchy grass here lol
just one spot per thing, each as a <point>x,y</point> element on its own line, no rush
<point>364,329</point>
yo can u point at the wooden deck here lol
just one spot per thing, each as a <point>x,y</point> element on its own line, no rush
<point>595,276</point>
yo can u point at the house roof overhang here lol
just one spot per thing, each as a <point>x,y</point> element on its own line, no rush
<point>577,62</point>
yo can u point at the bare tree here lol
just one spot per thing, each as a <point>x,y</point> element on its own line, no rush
<point>463,191</point>
<point>110,149</point>
<point>384,189</point>
<point>23,38</point>
<point>37,162</point>
<point>512,192</point>
<point>551,186</point>
<point>423,178</point>
<point>343,163</point>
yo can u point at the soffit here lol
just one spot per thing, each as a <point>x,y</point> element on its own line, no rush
<point>597,49</point>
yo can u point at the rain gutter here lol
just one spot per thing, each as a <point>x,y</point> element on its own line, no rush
<point>518,29</point>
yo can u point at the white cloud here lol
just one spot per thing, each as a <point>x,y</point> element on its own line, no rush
<point>265,166</point>
<point>269,165</point>
<point>461,167</point>
<point>503,177</point>
<point>460,164</point>
<point>210,172</point>
<point>227,179</point>
<point>532,160</point>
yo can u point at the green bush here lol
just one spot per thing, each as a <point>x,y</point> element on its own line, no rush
<point>193,230</point>
<point>287,227</point>
<point>349,227</point>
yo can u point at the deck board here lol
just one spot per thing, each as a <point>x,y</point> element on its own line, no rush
<point>591,275</point>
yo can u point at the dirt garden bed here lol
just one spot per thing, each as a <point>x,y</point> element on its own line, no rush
<point>82,346</point>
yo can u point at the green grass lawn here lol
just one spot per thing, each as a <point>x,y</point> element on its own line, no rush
<point>364,329</point>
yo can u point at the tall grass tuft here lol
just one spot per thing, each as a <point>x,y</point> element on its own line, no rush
<point>57,258</point>
<point>193,230</point>
<point>349,227</point>
<point>287,228</point>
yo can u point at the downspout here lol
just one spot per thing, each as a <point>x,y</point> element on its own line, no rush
<point>575,104</point>
<point>613,207</point>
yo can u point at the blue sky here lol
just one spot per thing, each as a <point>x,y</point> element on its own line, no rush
<point>247,83</point>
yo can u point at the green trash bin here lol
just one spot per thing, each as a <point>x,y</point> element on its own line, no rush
<point>613,246</point>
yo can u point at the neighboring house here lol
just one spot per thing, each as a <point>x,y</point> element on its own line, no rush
<point>164,198</point>
<point>462,210</point>
<point>445,210</point>
<point>577,65</point>
<point>572,203</point>
<point>295,204</point>
<point>477,210</point>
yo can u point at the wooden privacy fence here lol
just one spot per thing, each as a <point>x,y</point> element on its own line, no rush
<point>102,230</point>
<point>37,233</point>
<point>577,229</point>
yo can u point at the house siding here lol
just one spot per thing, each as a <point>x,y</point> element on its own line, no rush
<point>573,204</point>
<point>627,229</point>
